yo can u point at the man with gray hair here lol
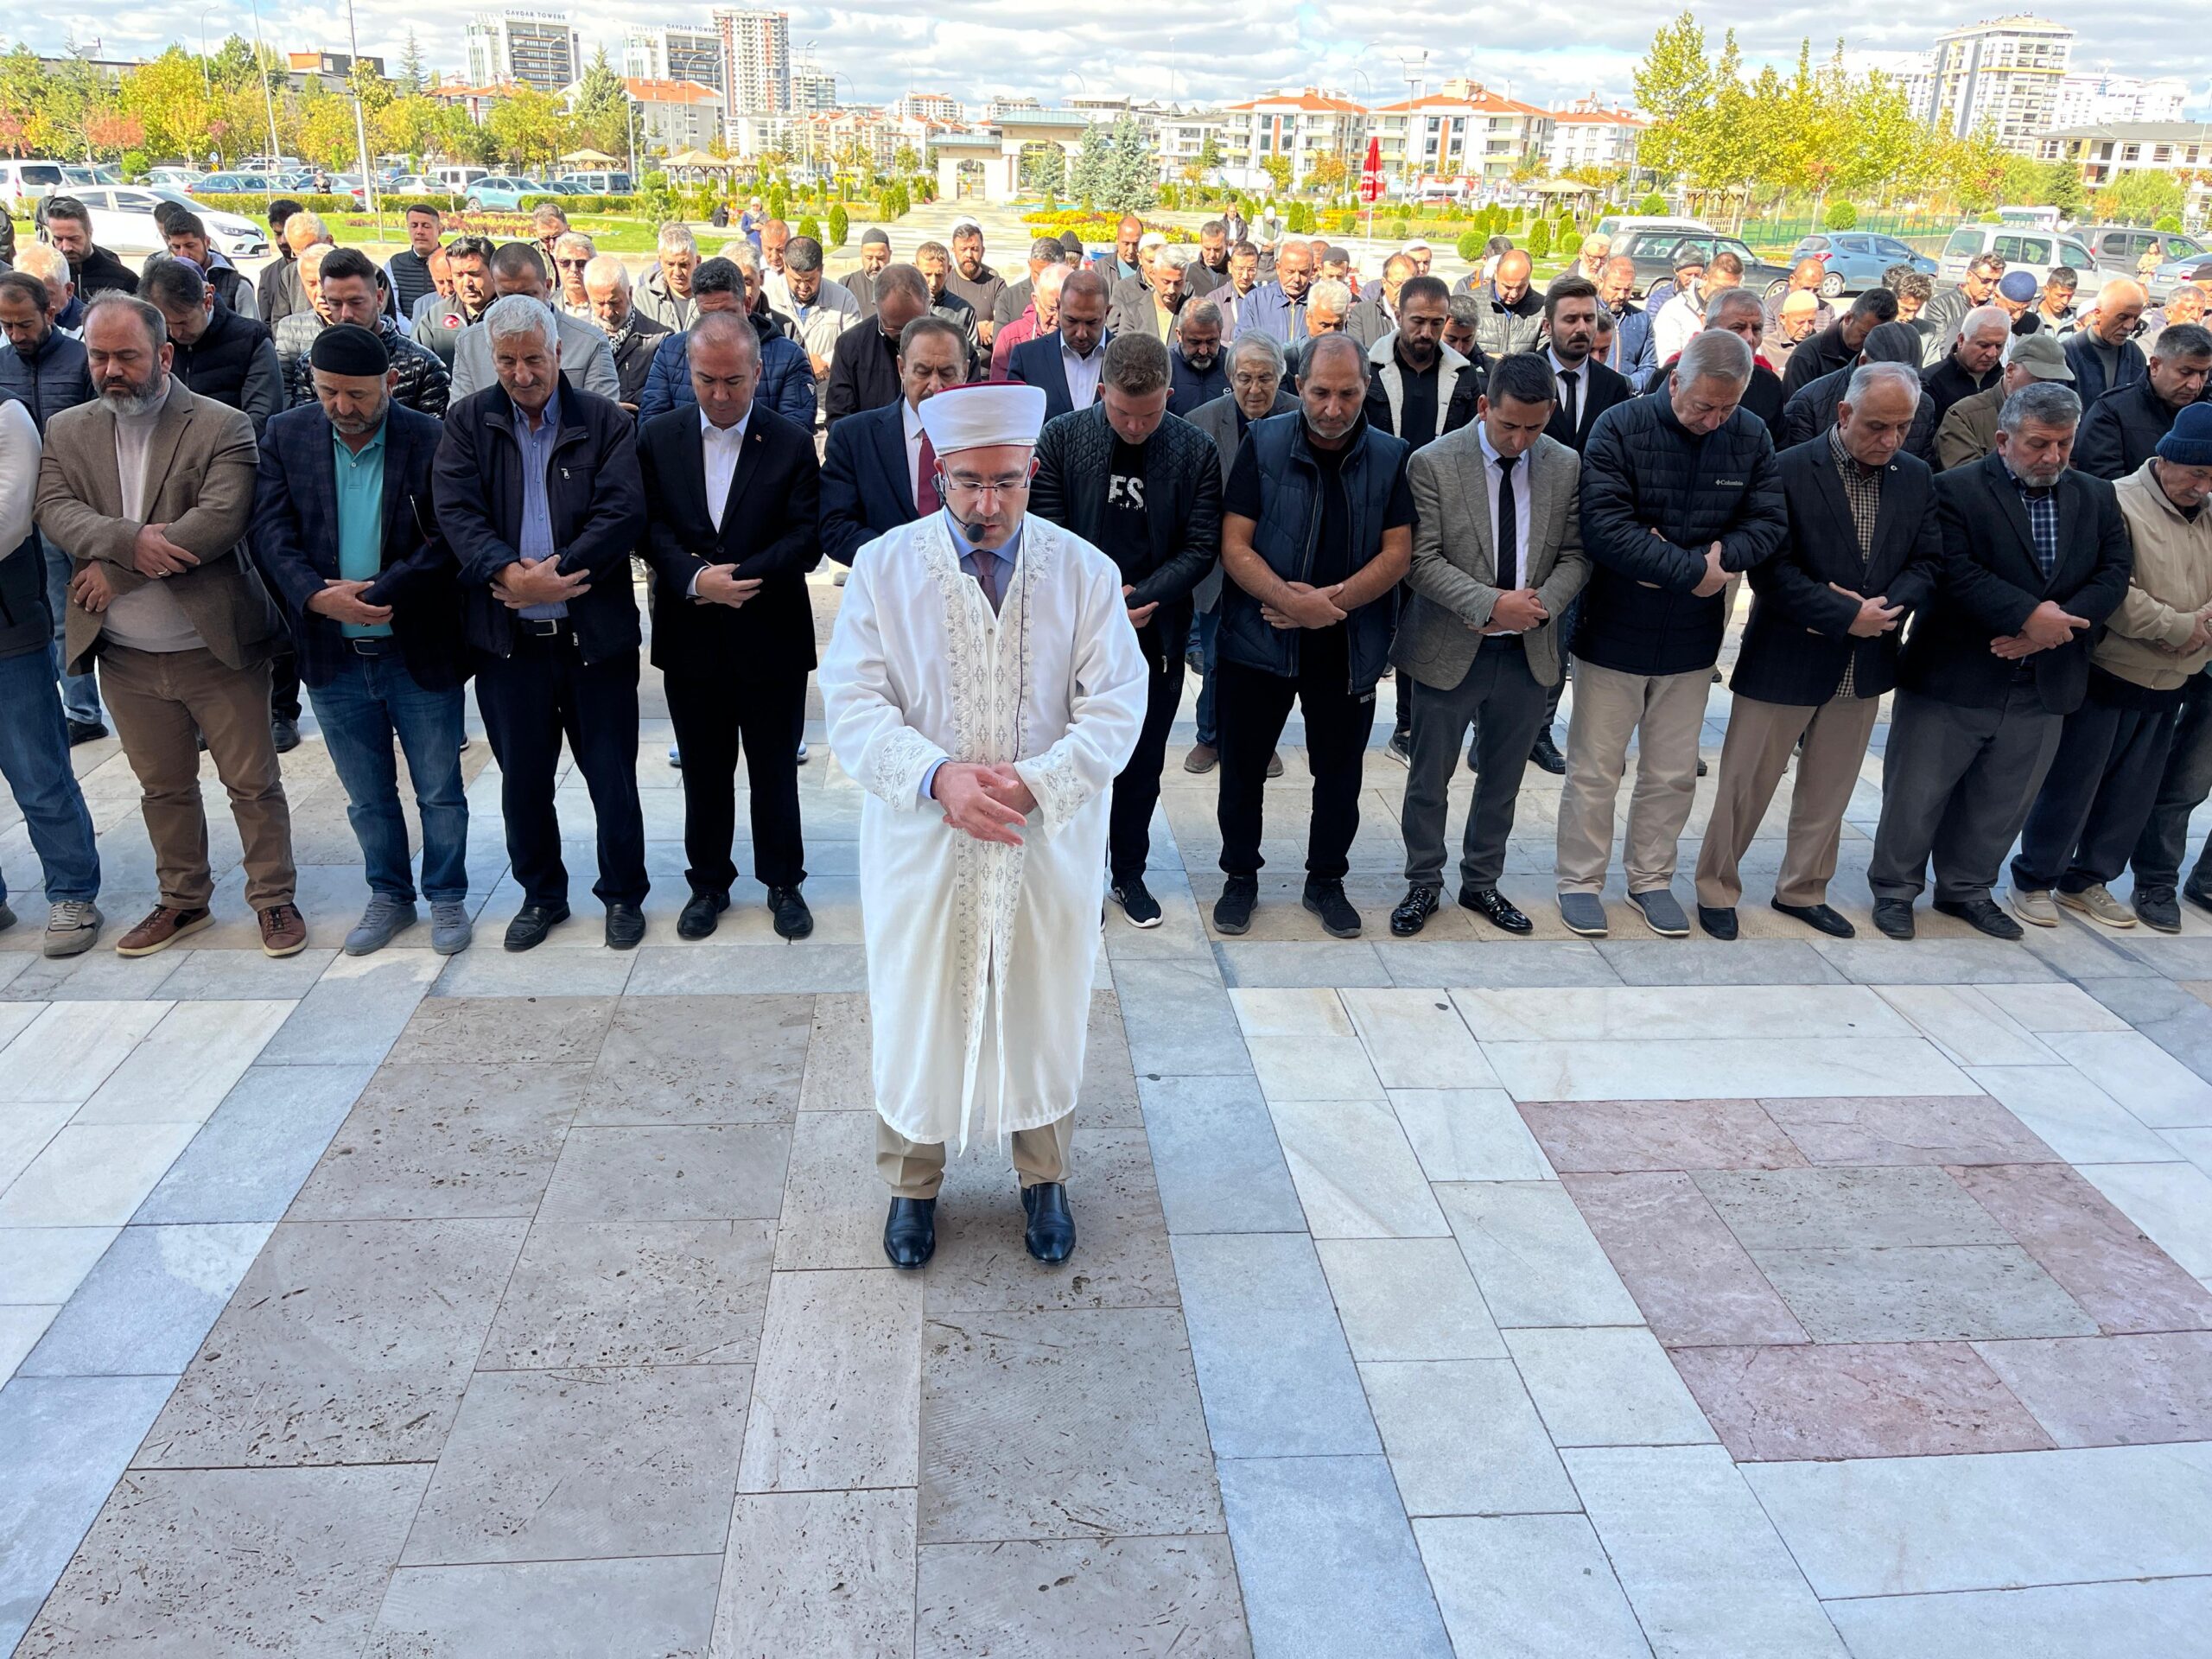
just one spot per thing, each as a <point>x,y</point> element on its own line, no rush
<point>2036,555</point>
<point>632,336</point>
<point>1972,365</point>
<point>518,271</point>
<point>1969,431</point>
<point>1328,308</point>
<point>2121,430</point>
<point>665,294</point>
<point>1679,492</point>
<point>2102,352</point>
<point>1041,315</point>
<point>1197,374</point>
<point>572,251</point>
<point>1013,301</point>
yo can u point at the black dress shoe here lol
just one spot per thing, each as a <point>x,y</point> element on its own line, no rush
<point>1496,908</point>
<point>532,923</point>
<point>86,731</point>
<point>1414,911</point>
<point>1983,914</point>
<point>1050,1232</point>
<point>1718,920</point>
<point>626,926</point>
<point>793,919</point>
<point>285,733</point>
<point>1545,754</point>
<point>1820,918</point>
<point>1893,917</point>
<point>910,1232</point>
<point>698,919</point>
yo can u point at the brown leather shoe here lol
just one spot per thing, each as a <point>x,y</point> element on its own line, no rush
<point>162,928</point>
<point>284,931</point>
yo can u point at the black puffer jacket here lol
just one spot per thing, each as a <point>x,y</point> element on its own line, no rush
<point>57,377</point>
<point>1643,471</point>
<point>2121,430</point>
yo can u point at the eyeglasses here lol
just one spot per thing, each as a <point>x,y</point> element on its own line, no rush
<point>572,264</point>
<point>1003,484</point>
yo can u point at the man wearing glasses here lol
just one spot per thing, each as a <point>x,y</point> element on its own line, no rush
<point>984,686</point>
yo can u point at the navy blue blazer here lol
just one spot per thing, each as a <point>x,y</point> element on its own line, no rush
<point>866,491</point>
<point>295,540</point>
<point>1037,363</point>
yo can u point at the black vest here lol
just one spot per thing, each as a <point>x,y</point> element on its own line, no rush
<point>215,365</point>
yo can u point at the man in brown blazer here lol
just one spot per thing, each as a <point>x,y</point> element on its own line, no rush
<point>1498,554</point>
<point>148,488</point>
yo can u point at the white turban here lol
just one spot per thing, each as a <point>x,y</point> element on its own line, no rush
<point>982,416</point>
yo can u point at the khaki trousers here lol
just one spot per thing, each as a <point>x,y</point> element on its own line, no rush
<point>1665,713</point>
<point>1752,759</point>
<point>157,698</point>
<point>915,1169</point>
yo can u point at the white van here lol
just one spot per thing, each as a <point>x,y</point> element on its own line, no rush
<point>458,179</point>
<point>2020,246</point>
<point>23,182</point>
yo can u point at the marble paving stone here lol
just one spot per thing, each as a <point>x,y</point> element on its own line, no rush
<point>1463,1438</point>
<point>187,1063</point>
<point>1849,1400</point>
<point>2189,958</point>
<point>25,1130</point>
<point>1747,962</point>
<point>2098,1255</point>
<point>1657,1015</point>
<point>2071,1115</point>
<point>1415,1039</point>
<point>1760,1067</point>
<point>834,1201</point>
<point>1327,1558</point>
<point>1841,1209</point>
<point>1356,1176</point>
<point>251,1157</point>
<point>2196,1145</point>
<point>356,1011</point>
<point>1314,1068</point>
<point>2169,1015</point>
<point>46,1264</point>
<point>1276,1377</point>
<point>1606,1388</point>
<point>144,1309</point>
<point>826,1573</point>
<point>1291,1012</point>
<point>1064,1424</point>
<point>1938,1130</point>
<point>71,1049</point>
<point>1966,1027</point>
<point>14,1016</point>
<point>1469,1135</point>
<point>835,1396</point>
<point>505,1031</point>
<point>1934,961</point>
<point>1299,962</point>
<point>1958,1293</point>
<point>2171,1618</point>
<point>1907,1526</point>
<point>1561,963</point>
<point>97,975</point>
<point>63,1440</point>
<point>288,1561</point>
<point>701,1059</point>
<point>221,975</point>
<point>664,969</point>
<point>2113,1390</point>
<point>2158,1088</point>
<point>642,1608</point>
<point>1407,1299</point>
<point>668,1172</point>
<point>20,1328</point>
<point>93,1174</point>
<point>563,1466</point>
<point>1527,1586</point>
<point>446,1140</point>
<point>347,1342</point>
<point>1108,1097</point>
<point>1143,1598</point>
<point>633,1292</point>
<point>1214,1155</point>
<point>567,967</point>
<point>2047,1009</point>
<point>1533,1256</point>
<point>1179,1020</point>
<point>838,1076</point>
<point>1700,1564</point>
<point>1617,1135</point>
<point>2171,1203</point>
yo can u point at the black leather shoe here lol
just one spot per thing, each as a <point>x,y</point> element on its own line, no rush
<point>1545,754</point>
<point>1050,1232</point>
<point>626,926</point>
<point>532,923</point>
<point>1893,917</point>
<point>1327,900</point>
<point>2157,909</point>
<point>86,731</point>
<point>698,917</point>
<point>2197,893</point>
<point>793,919</point>
<point>1232,911</point>
<point>1982,914</point>
<point>1719,921</point>
<point>1820,918</point>
<point>1414,911</point>
<point>910,1232</point>
<point>1496,908</point>
<point>285,733</point>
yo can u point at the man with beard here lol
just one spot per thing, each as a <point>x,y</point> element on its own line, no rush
<point>1196,374</point>
<point>346,292</point>
<point>1630,355</point>
<point>1211,268</point>
<point>1376,314</point>
<point>974,280</point>
<point>213,350</point>
<point>632,336</point>
<point>439,321</point>
<point>68,229</point>
<point>859,281</point>
<point>665,294</point>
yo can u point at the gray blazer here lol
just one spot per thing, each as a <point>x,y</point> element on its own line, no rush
<point>1217,420</point>
<point>587,363</point>
<point>1455,563</point>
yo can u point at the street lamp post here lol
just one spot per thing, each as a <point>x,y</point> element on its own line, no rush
<point>268,98</point>
<point>369,198</point>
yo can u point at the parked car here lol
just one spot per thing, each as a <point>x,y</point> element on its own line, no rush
<point>598,184</point>
<point>2036,253</point>
<point>1615,225</point>
<point>235,184</point>
<point>2118,249</point>
<point>1856,259</point>
<point>122,222</point>
<point>1656,247</point>
<point>503,190</point>
<point>173,178</point>
<point>414,184</point>
<point>78,177</point>
<point>2193,268</point>
<point>24,181</point>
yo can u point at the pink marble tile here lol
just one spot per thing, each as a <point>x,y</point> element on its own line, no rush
<point>1614,1135</point>
<point>2095,1254</point>
<point>1856,1400</point>
<point>1941,1130</point>
<point>1686,1270</point>
<point>2111,1390</point>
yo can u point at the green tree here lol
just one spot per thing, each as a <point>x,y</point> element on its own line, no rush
<point>1210,151</point>
<point>2139,198</point>
<point>1674,86</point>
<point>1132,179</point>
<point>169,95</point>
<point>1091,176</point>
<point>529,127</point>
<point>602,107</point>
<point>1540,239</point>
<point>414,77</point>
<point>840,226</point>
<point>1277,168</point>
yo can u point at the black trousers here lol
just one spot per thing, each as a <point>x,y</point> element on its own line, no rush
<point>713,718</point>
<point>1251,706</point>
<point>284,687</point>
<point>2096,797</point>
<point>532,699</point>
<point>1136,791</point>
<point>2187,780</point>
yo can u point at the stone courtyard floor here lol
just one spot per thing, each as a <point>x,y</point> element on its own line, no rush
<point>1466,1295</point>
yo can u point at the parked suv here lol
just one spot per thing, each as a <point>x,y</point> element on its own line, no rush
<point>1655,248</point>
<point>2036,253</point>
<point>1856,259</point>
<point>2118,249</point>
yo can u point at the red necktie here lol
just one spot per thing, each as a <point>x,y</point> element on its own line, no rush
<point>926,499</point>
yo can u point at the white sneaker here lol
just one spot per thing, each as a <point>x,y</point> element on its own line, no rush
<point>71,927</point>
<point>2099,906</point>
<point>2033,906</point>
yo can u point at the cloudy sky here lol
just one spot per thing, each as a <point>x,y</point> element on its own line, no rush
<point>973,48</point>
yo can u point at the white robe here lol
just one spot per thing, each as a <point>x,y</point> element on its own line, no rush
<point>966,936</point>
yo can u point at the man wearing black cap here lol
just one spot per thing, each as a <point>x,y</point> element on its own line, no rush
<point>859,281</point>
<point>345,530</point>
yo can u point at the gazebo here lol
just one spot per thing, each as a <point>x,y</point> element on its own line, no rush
<point>697,162</point>
<point>589,158</point>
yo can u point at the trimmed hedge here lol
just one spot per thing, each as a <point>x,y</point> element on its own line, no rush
<point>573,206</point>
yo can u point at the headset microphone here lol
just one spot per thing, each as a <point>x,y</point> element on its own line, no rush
<point>973,529</point>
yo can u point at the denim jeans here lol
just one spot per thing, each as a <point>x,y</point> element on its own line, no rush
<point>372,700</point>
<point>1208,630</point>
<point>80,693</point>
<point>34,760</point>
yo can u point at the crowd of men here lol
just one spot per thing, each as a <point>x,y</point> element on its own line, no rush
<point>380,481</point>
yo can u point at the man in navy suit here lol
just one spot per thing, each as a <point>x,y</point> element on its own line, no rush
<point>878,473</point>
<point>345,532</point>
<point>1065,364</point>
